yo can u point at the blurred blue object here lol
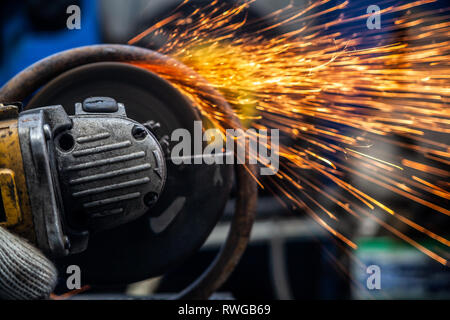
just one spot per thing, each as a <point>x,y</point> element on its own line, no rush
<point>405,272</point>
<point>23,46</point>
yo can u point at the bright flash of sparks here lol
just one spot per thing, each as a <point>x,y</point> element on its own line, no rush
<point>360,110</point>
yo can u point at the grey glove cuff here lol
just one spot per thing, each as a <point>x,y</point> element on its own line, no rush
<point>25,273</point>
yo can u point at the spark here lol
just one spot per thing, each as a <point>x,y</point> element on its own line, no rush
<point>332,88</point>
<point>70,294</point>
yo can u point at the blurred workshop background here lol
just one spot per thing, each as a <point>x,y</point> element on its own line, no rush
<point>290,256</point>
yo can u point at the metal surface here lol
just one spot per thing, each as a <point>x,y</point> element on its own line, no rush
<point>31,79</point>
<point>36,129</point>
<point>107,171</point>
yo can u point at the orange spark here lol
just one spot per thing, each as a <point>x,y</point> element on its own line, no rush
<point>331,91</point>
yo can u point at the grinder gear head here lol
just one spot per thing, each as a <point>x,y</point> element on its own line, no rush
<point>88,172</point>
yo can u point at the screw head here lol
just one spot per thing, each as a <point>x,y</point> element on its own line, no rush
<point>139,132</point>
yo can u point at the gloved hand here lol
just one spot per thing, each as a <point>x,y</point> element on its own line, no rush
<point>25,273</point>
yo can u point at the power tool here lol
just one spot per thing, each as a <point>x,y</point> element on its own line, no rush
<point>65,176</point>
<point>85,171</point>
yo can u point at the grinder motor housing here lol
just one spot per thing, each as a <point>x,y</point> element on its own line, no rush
<point>63,177</point>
